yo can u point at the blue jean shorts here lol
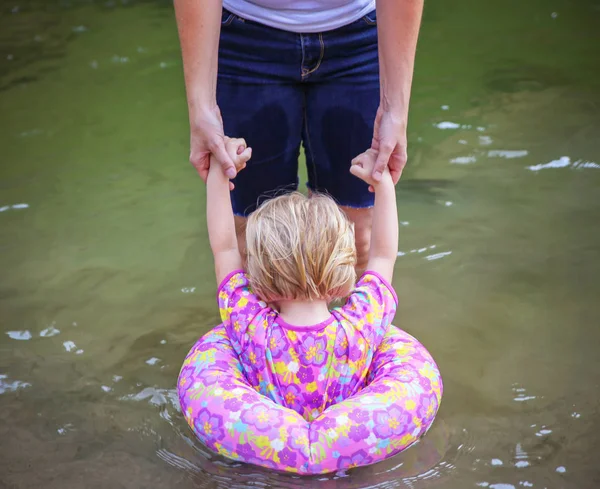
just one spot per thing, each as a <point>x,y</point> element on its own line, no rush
<point>280,89</point>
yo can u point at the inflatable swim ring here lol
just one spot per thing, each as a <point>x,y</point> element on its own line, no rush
<point>393,411</point>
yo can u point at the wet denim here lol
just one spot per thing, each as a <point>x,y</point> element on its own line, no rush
<point>279,89</point>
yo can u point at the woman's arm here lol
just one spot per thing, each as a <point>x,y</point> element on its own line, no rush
<point>398,23</point>
<point>199,25</point>
<point>219,214</point>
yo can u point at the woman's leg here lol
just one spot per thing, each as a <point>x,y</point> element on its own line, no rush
<point>342,96</point>
<point>261,101</point>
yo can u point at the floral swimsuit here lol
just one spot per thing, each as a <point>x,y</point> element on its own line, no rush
<point>307,368</point>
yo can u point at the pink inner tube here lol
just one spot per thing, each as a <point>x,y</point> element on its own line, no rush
<point>398,405</point>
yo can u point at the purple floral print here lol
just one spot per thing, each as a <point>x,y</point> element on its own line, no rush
<point>358,458</point>
<point>313,350</point>
<point>306,375</point>
<point>209,424</point>
<point>359,416</point>
<point>233,405</point>
<point>337,419</point>
<point>292,397</point>
<point>287,457</point>
<point>390,422</point>
<point>277,343</point>
<point>313,360</point>
<point>260,417</point>
<point>358,433</point>
<point>428,406</point>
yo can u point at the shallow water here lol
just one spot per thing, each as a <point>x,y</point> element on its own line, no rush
<point>106,277</point>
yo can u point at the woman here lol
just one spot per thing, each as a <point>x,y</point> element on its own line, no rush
<point>334,75</point>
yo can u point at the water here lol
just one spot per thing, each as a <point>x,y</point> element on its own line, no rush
<point>106,277</point>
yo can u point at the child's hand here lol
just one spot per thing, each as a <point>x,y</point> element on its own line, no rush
<point>238,151</point>
<point>362,167</point>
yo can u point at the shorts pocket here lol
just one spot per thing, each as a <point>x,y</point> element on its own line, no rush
<point>370,18</point>
<point>227,18</point>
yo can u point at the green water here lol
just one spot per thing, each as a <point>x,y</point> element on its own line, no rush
<point>106,277</point>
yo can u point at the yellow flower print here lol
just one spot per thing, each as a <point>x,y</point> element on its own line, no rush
<point>280,368</point>
<point>342,430</point>
<point>290,398</point>
<point>428,371</point>
<point>406,439</point>
<point>290,419</point>
<point>311,387</point>
<point>262,441</point>
<point>402,349</point>
<point>237,326</point>
<point>242,302</point>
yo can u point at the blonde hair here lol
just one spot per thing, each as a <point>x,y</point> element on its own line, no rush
<point>300,248</point>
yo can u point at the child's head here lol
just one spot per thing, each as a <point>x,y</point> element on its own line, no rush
<point>300,248</point>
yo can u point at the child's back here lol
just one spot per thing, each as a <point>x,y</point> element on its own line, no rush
<point>307,367</point>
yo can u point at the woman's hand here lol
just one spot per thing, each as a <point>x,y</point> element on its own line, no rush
<point>389,141</point>
<point>207,138</point>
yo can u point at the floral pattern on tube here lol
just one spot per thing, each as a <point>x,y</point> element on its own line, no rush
<point>231,415</point>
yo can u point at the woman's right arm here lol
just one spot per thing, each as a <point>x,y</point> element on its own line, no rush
<point>199,25</point>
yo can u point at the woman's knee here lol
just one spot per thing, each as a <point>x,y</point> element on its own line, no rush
<point>362,219</point>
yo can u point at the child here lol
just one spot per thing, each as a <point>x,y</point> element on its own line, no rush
<point>301,256</point>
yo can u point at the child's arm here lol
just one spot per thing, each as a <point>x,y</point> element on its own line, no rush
<point>384,231</point>
<point>219,214</point>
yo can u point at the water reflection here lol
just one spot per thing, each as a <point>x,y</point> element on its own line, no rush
<point>19,335</point>
<point>507,154</point>
<point>564,162</point>
<point>49,332</point>
<point>11,386</point>
<point>14,206</point>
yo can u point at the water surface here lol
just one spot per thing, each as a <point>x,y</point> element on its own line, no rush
<point>106,277</point>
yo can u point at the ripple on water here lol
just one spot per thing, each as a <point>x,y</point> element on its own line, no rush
<point>425,461</point>
<point>20,206</point>
<point>19,335</point>
<point>564,162</point>
<point>156,397</point>
<point>428,257</point>
<point>436,459</point>
<point>507,154</point>
<point>463,160</point>
<point>49,332</point>
<point>8,386</point>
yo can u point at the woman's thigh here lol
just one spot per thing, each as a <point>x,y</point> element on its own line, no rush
<point>342,98</point>
<point>261,100</point>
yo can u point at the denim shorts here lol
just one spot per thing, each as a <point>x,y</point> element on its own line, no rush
<point>280,89</point>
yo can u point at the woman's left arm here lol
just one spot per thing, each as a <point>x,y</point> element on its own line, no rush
<point>398,23</point>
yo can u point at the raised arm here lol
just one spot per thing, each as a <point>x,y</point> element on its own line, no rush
<point>199,25</point>
<point>398,23</point>
<point>219,214</point>
<point>384,231</point>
